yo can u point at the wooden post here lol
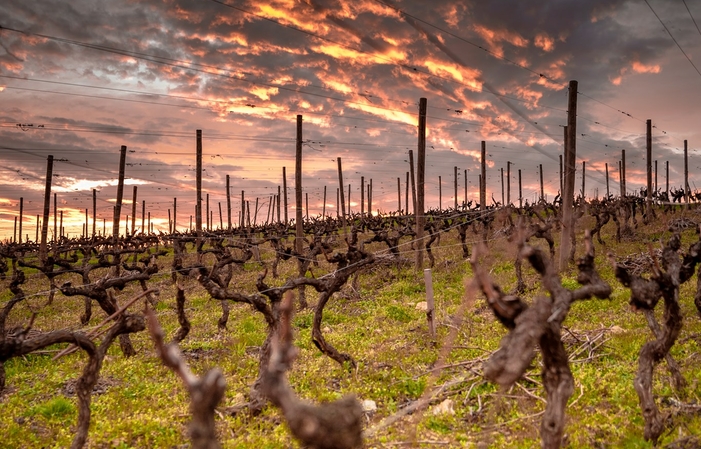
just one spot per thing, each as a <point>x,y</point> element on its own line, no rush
<point>620,178</point>
<point>666,189</point>
<point>175,214</point>
<point>14,236</point>
<point>501,170</point>
<point>561,189</point>
<point>228,203</point>
<point>221,216</point>
<point>340,190</point>
<point>198,210</point>
<point>430,306</point>
<point>362,196</point>
<point>483,176</point>
<point>47,207</point>
<point>413,181</point>
<point>508,183</point>
<point>338,204</point>
<point>323,206</point>
<point>209,221</point>
<point>420,171</point>
<point>36,237</point>
<point>133,212</point>
<point>569,173</point>
<point>279,197</point>
<point>55,219</point>
<point>542,192</point>
<point>248,213</point>
<point>686,172</point>
<point>270,204</point>
<point>370,197</point>
<point>399,195</point>
<point>60,225</point>
<point>87,224</point>
<point>170,223</point>
<point>584,169</point>
<point>284,190</point>
<point>655,183</point>
<point>648,164</point>
<point>299,225</point>
<point>520,192</point>
<point>349,200</point>
<point>607,180</point>
<point>120,194</point>
<point>150,228</point>
<point>406,195</point>
<point>143,215</point>
<point>465,187</point>
<point>440,194</point>
<point>255,213</point>
<point>306,205</point>
<point>242,220</point>
<point>455,185</point>
<point>624,189</point>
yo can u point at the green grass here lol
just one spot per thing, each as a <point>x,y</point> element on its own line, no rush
<point>143,404</point>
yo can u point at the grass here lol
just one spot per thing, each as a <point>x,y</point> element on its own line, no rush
<point>143,404</point>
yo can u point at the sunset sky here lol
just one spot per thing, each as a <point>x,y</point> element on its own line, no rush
<point>79,79</point>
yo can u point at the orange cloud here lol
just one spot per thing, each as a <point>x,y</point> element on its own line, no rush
<point>544,42</point>
<point>639,67</point>
<point>494,37</point>
<point>457,72</point>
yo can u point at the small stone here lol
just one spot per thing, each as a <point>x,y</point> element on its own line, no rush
<point>369,406</point>
<point>326,330</point>
<point>444,408</point>
<point>422,306</point>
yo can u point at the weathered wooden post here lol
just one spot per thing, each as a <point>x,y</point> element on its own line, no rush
<point>624,188</point>
<point>440,194</point>
<point>120,194</point>
<point>399,195</point>
<point>143,216</point>
<point>21,217</point>
<point>542,192</point>
<point>520,191</point>
<point>455,186</point>
<point>362,196</point>
<point>228,203</point>
<point>342,205</point>
<point>406,195</point>
<point>133,212</point>
<point>47,207</point>
<point>284,190</point>
<point>413,180</point>
<point>323,206</point>
<point>584,171</point>
<point>508,183</point>
<point>370,197</point>
<point>55,219</point>
<point>666,189</point>
<point>561,181</point>
<point>501,170</point>
<point>483,176</point>
<point>420,171</point>
<point>569,173</point>
<point>175,214</point>
<point>686,172</point>
<point>648,164</point>
<point>607,180</point>
<point>198,210</point>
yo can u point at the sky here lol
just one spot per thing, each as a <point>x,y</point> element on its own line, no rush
<point>80,79</point>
